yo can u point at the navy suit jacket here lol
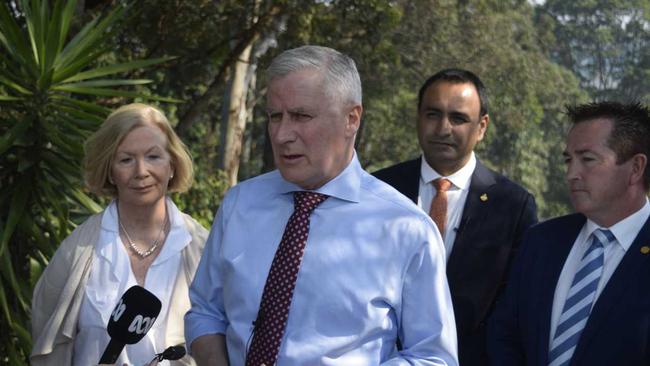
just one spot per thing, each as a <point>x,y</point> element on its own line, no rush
<point>618,329</point>
<point>488,236</point>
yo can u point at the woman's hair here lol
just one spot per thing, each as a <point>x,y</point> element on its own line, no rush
<point>100,148</point>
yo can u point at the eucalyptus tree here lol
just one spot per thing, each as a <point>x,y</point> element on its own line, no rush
<point>604,42</point>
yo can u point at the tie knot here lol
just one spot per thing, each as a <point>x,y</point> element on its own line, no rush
<point>307,201</point>
<point>442,184</point>
<point>604,236</point>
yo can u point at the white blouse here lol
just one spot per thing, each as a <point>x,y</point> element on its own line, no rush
<point>111,275</point>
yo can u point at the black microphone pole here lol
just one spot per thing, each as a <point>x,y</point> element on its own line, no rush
<point>112,352</point>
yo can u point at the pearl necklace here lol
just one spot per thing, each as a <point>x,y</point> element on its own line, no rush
<point>138,251</point>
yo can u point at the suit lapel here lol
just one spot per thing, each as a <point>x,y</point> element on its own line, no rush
<point>559,245</point>
<point>474,210</point>
<point>615,289</point>
<point>411,182</point>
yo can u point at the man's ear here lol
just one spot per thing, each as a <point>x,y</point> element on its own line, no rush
<point>639,166</point>
<point>483,123</point>
<point>353,121</point>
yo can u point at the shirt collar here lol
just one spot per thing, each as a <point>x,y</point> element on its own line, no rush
<point>460,179</point>
<point>345,186</point>
<point>627,229</point>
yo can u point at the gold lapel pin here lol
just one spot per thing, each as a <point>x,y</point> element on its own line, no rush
<point>645,249</point>
<point>483,197</point>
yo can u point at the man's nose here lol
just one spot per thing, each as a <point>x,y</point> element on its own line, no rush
<point>572,171</point>
<point>283,131</point>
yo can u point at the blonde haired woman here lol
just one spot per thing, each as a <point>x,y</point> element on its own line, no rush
<point>141,238</point>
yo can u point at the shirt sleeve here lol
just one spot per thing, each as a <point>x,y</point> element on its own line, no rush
<point>206,315</point>
<point>427,328</point>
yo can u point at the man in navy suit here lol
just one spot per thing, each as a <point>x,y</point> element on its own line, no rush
<point>486,214</point>
<point>579,292</point>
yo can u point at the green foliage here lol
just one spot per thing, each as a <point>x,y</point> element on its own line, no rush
<point>50,81</point>
<point>498,41</point>
<point>202,200</point>
<point>604,42</point>
<point>210,184</point>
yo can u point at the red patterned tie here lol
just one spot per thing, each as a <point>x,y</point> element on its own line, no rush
<point>278,290</point>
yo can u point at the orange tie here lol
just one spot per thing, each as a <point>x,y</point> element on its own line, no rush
<point>438,210</point>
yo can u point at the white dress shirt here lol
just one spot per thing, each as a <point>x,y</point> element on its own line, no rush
<point>456,195</point>
<point>111,275</point>
<point>625,232</point>
<point>373,270</point>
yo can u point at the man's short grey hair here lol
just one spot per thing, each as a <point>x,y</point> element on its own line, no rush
<point>340,75</point>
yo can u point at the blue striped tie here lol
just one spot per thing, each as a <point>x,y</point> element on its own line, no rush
<point>579,300</point>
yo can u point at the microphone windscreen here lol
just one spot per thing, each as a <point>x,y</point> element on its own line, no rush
<point>133,315</point>
<point>173,353</point>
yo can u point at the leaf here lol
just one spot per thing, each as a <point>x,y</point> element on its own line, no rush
<point>8,98</point>
<point>14,85</point>
<point>59,163</point>
<point>86,201</point>
<point>103,83</point>
<point>10,278</point>
<point>71,51</point>
<point>89,37</point>
<point>11,37</point>
<point>18,203</point>
<point>82,116</point>
<point>53,36</point>
<point>35,271</point>
<point>66,18</point>
<point>77,65</point>
<point>34,21</point>
<point>18,130</point>
<point>5,306</point>
<point>47,195</point>
<point>87,107</point>
<point>118,68</point>
<point>113,93</point>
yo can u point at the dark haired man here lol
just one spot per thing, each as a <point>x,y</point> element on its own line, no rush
<point>578,293</point>
<point>481,214</point>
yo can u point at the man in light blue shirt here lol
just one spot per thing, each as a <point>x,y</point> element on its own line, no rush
<point>373,267</point>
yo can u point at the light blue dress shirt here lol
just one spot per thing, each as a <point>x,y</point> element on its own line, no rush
<point>373,270</point>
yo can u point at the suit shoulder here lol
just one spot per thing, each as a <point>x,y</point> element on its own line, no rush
<point>397,170</point>
<point>508,192</point>
<point>558,224</point>
<point>506,183</point>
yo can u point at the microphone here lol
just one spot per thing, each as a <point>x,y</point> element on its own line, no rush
<point>171,353</point>
<point>131,319</point>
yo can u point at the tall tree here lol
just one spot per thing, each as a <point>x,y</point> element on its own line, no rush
<point>236,116</point>
<point>604,42</point>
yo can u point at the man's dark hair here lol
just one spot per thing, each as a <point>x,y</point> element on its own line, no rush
<point>630,134</point>
<point>457,76</point>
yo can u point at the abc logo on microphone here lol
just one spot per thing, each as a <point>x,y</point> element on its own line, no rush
<point>131,319</point>
<point>133,315</point>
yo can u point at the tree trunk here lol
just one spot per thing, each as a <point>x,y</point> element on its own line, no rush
<point>248,37</point>
<point>231,146</point>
